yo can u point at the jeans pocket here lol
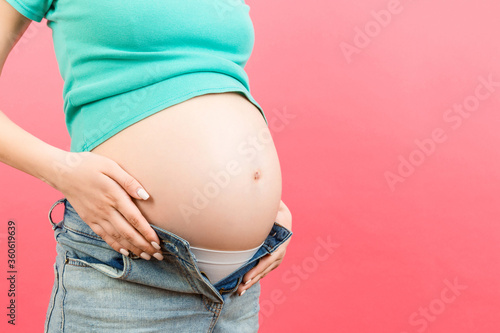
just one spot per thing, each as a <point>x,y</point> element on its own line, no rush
<point>102,267</point>
<point>81,250</point>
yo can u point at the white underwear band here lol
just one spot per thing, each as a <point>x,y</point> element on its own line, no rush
<point>219,264</point>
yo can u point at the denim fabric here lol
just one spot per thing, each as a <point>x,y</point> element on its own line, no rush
<point>97,289</point>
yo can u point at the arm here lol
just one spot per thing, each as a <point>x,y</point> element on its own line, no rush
<point>12,27</point>
<point>97,187</point>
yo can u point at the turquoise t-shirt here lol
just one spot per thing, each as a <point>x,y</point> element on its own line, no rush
<point>123,60</point>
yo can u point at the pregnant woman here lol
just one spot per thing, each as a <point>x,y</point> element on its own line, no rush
<point>172,185</point>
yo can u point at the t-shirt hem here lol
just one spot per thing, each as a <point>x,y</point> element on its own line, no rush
<point>99,126</point>
<point>25,10</point>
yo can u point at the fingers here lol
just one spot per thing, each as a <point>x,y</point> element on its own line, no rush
<point>136,220</point>
<point>271,261</point>
<point>265,266</point>
<point>137,232</point>
<point>122,237</point>
<point>126,181</point>
<point>107,232</point>
<point>126,230</point>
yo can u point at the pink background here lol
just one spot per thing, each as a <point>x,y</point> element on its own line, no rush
<point>363,87</point>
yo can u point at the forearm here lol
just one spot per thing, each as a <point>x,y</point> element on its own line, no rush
<point>27,153</point>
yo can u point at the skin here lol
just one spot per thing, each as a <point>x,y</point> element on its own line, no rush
<point>99,189</point>
<point>271,261</point>
<point>183,145</point>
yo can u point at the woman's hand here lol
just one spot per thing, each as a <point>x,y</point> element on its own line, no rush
<point>270,261</point>
<point>100,191</point>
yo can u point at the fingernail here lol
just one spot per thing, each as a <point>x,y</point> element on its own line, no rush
<point>248,282</point>
<point>142,193</point>
<point>124,252</point>
<point>155,245</point>
<point>146,256</point>
<point>158,256</point>
<point>242,292</point>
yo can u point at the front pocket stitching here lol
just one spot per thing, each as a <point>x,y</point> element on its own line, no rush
<point>97,237</point>
<point>82,263</point>
<point>77,262</point>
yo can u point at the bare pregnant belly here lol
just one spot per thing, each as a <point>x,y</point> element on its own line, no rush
<point>210,167</point>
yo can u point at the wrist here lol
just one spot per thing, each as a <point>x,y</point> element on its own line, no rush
<point>55,163</point>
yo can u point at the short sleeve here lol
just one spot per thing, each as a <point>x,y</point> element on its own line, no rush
<point>33,9</point>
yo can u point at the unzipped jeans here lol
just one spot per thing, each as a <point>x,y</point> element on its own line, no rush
<point>97,289</point>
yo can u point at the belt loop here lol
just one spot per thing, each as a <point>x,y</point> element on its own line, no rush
<point>54,225</point>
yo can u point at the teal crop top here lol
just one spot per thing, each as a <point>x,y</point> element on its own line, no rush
<point>123,60</point>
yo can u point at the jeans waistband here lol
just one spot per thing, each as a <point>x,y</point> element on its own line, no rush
<point>179,246</point>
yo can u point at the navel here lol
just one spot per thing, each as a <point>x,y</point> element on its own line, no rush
<point>257,174</point>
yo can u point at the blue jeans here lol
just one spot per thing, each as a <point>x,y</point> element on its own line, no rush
<point>97,289</point>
